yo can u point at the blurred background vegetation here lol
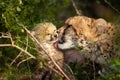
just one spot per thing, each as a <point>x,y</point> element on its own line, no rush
<point>31,12</point>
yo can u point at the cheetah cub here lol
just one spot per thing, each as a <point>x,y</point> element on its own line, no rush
<point>46,34</point>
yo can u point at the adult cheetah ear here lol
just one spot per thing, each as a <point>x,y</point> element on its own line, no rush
<point>67,25</point>
<point>64,27</point>
<point>100,22</point>
<point>68,21</point>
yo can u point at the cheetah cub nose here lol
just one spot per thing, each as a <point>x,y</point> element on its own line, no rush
<point>56,36</point>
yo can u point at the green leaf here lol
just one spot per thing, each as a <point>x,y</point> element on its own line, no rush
<point>18,9</point>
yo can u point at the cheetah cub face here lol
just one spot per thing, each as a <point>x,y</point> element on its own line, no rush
<point>45,33</point>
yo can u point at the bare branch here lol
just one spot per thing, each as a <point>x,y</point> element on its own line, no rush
<point>107,2</point>
<point>23,61</point>
<point>70,70</point>
<point>26,43</point>
<point>4,35</point>
<point>12,42</point>
<point>5,45</point>
<point>16,58</point>
<point>78,12</point>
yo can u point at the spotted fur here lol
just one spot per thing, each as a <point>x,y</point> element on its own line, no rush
<point>94,36</point>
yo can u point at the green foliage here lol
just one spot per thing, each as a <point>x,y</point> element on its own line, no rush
<point>114,70</point>
<point>29,12</point>
<point>15,73</point>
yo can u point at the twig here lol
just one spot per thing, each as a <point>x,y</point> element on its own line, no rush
<point>70,71</point>
<point>16,58</point>
<point>5,19</point>
<point>112,6</point>
<point>12,42</point>
<point>76,9</point>
<point>5,45</point>
<point>23,61</point>
<point>26,43</point>
<point>4,35</point>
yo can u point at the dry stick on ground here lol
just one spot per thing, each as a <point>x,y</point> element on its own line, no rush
<point>35,40</point>
<point>78,12</point>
